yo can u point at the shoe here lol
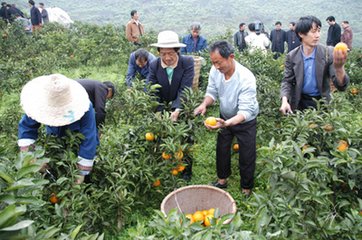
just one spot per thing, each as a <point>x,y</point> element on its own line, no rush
<point>219,185</point>
<point>246,192</point>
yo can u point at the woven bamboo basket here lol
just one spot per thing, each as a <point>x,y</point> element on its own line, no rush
<point>192,198</point>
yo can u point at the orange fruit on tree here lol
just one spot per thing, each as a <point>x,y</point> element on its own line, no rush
<point>156,183</point>
<point>174,172</point>
<point>328,127</point>
<point>211,121</point>
<point>150,136</point>
<point>354,91</point>
<point>53,198</point>
<point>180,168</point>
<point>179,155</point>
<point>198,216</point>
<point>341,46</point>
<point>166,156</point>
<point>342,146</point>
<point>236,147</point>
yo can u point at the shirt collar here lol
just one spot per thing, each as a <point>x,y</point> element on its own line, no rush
<point>312,56</point>
<point>163,65</point>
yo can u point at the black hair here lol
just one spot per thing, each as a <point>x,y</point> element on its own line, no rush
<point>133,12</point>
<point>331,19</point>
<point>141,54</point>
<point>41,4</point>
<point>224,48</point>
<point>293,23</point>
<point>346,22</point>
<point>111,86</point>
<point>176,49</point>
<point>251,27</point>
<point>3,4</point>
<point>278,22</point>
<point>241,24</point>
<point>31,2</point>
<point>305,24</point>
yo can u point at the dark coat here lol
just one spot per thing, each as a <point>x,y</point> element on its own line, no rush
<point>278,38</point>
<point>35,16</point>
<point>97,92</point>
<point>182,77</point>
<point>292,83</point>
<point>334,35</point>
<point>292,40</point>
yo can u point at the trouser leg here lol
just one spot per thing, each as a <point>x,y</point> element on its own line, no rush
<point>223,154</point>
<point>246,137</point>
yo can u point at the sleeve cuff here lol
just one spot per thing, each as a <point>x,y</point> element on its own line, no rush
<point>25,142</point>
<point>85,165</point>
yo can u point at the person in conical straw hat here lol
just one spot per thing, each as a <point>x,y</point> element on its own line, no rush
<point>59,103</point>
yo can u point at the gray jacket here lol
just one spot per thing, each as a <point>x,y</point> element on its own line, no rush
<point>292,83</point>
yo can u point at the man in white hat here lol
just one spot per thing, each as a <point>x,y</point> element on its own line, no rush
<point>60,103</point>
<point>174,72</point>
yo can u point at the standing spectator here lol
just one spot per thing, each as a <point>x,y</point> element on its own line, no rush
<point>98,93</point>
<point>139,62</point>
<point>309,68</point>
<point>35,16</point>
<point>347,34</point>
<point>278,37</point>
<point>44,13</point>
<point>194,42</point>
<point>334,32</point>
<point>292,38</point>
<point>134,28</point>
<point>4,12</point>
<point>256,41</point>
<point>234,86</point>
<point>239,37</point>
<point>61,104</point>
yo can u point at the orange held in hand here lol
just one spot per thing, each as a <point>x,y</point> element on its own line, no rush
<point>341,46</point>
<point>211,121</point>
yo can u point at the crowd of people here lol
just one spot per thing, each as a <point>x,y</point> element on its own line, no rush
<point>309,68</point>
<point>38,16</point>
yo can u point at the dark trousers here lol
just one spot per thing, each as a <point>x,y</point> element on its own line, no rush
<point>307,101</point>
<point>245,134</point>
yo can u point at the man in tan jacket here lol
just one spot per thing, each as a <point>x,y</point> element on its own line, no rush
<point>134,29</point>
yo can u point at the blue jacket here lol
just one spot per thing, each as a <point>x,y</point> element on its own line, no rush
<point>28,128</point>
<point>133,68</point>
<point>182,77</point>
<point>35,16</point>
<point>201,44</point>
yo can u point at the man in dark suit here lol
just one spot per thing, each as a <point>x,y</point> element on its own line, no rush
<point>98,93</point>
<point>309,69</point>
<point>174,72</point>
<point>334,32</point>
<point>278,37</point>
<point>35,16</point>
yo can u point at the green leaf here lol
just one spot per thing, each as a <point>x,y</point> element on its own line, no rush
<point>28,170</point>
<point>75,232</point>
<point>18,226</point>
<point>6,177</point>
<point>7,214</point>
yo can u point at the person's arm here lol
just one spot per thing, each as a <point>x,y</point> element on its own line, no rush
<point>210,96</point>
<point>236,40</point>
<point>129,32</point>
<point>27,132</point>
<point>131,71</point>
<point>336,70</point>
<point>87,148</point>
<point>186,80</point>
<point>100,98</point>
<point>286,86</point>
<point>204,44</point>
<point>183,49</point>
